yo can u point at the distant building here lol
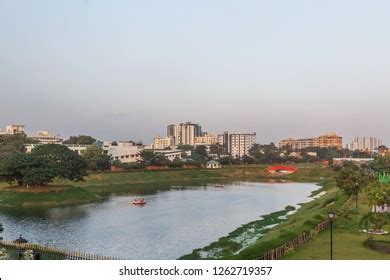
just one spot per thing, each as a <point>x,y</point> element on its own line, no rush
<point>213,164</point>
<point>170,154</point>
<point>125,152</point>
<point>206,139</point>
<point>184,133</point>
<point>12,129</point>
<point>45,137</point>
<point>79,149</point>
<point>358,161</point>
<point>368,144</point>
<point>330,140</point>
<point>160,143</point>
<point>241,143</point>
<point>223,140</point>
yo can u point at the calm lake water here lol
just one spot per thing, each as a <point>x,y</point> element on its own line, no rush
<point>171,224</point>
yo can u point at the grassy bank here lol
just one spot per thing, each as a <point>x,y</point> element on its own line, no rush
<point>348,240</point>
<point>98,186</point>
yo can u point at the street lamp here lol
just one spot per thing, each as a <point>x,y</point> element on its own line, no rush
<point>20,241</point>
<point>1,231</point>
<point>331,216</point>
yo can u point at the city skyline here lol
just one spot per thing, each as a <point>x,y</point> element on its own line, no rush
<point>124,71</point>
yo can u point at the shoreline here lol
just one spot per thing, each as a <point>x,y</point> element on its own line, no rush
<point>98,186</point>
<point>242,238</point>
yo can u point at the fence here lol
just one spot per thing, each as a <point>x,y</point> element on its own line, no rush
<point>54,253</point>
<point>287,247</point>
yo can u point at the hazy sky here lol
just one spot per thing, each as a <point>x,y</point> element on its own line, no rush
<point>125,69</point>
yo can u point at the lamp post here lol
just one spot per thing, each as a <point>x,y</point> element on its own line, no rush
<point>1,231</point>
<point>20,241</point>
<point>331,216</point>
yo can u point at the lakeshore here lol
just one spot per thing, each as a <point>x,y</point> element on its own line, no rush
<point>249,241</point>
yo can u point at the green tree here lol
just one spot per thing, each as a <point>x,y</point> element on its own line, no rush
<point>217,149</point>
<point>149,157</point>
<point>80,140</point>
<point>200,153</point>
<point>63,162</point>
<point>96,160</point>
<point>352,179</point>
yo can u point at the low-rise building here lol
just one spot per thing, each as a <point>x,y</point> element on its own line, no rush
<point>213,164</point>
<point>45,137</point>
<point>125,152</point>
<point>206,139</point>
<point>358,161</point>
<point>12,129</point>
<point>170,154</point>
<point>160,143</point>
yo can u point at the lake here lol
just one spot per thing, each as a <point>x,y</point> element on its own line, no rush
<point>171,224</point>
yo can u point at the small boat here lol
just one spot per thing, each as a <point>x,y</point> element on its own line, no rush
<point>219,186</point>
<point>139,201</point>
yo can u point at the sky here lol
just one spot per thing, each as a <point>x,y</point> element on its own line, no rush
<point>124,70</point>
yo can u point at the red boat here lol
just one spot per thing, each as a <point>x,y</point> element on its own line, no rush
<point>139,201</point>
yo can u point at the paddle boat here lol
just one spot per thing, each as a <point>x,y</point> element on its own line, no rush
<point>139,201</point>
<point>219,186</point>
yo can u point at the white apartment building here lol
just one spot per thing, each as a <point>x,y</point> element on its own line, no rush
<point>170,154</point>
<point>45,137</point>
<point>12,129</point>
<point>160,143</point>
<point>184,133</point>
<point>125,152</point>
<point>368,144</point>
<point>79,149</point>
<point>241,143</point>
<point>206,139</point>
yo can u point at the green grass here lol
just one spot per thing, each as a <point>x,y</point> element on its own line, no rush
<point>348,240</point>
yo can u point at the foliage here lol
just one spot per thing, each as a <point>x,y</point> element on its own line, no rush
<point>200,153</point>
<point>381,164</point>
<point>217,149</point>
<point>43,164</point>
<point>374,221</point>
<point>96,160</point>
<point>352,179</point>
<point>80,140</point>
<point>149,157</point>
<point>3,254</point>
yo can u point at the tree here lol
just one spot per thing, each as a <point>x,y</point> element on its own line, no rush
<point>96,160</point>
<point>352,179</point>
<point>247,160</point>
<point>381,164</point>
<point>200,153</point>
<point>80,140</point>
<point>65,163</point>
<point>217,149</point>
<point>149,157</point>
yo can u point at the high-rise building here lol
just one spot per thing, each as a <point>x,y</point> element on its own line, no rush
<point>325,141</point>
<point>368,144</point>
<point>223,139</point>
<point>241,143</point>
<point>184,133</point>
